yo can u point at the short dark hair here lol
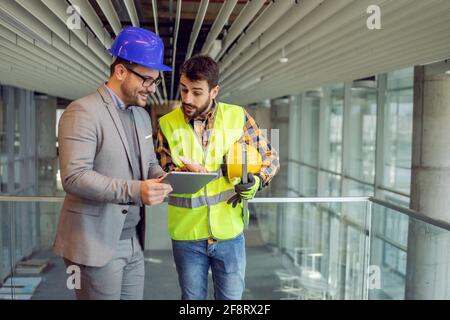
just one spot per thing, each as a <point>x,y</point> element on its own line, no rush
<point>201,67</point>
<point>119,60</point>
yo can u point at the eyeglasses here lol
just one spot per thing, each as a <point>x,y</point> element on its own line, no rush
<point>146,81</point>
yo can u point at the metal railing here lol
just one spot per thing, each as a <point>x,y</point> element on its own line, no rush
<point>409,212</point>
<point>347,234</point>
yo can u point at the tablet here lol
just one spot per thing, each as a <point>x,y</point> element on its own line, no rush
<point>189,182</point>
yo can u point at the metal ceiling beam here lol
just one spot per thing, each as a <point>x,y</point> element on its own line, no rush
<point>221,19</point>
<point>164,88</point>
<point>49,62</point>
<point>152,99</point>
<point>93,21</point>
<point>52,73</point>
<point>25,24</point>
<point>155,18</point>
<point>267,19</point>
<point>131,8</point>
<point>155,15</point>
<point>210,16</point>
<point>110,14</point>
<point>19,77</point>
<point>290,22</point>
<point>13,14</point>
<point>45,52</point>
<point>76,66</point>
<point>84,37</point>
<point>393,44</point>
<point>313,20</point>
<point>295,87</point>
<point>170,10</point>
<point>242,21</point>
<point>330,40</point>
<point>158,94</point>
<point>409,42</point>
<point>195,30</point>
<point>38,80</point>
<point>46,17</point>
<point>341,33</point>
<point>177,26</point>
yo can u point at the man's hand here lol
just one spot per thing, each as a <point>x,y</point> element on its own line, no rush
<point>153,191</point>
<point>245,191</point>
<point>191,166</point>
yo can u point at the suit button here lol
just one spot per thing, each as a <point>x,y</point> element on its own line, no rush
<point>124,211</point>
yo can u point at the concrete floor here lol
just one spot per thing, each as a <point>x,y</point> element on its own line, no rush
<point>161,281</point>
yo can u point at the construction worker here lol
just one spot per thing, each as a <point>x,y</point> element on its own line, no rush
<point>109,172</point>
<point>207,227</point>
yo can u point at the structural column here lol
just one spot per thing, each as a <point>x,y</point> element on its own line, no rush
<point>428,258</point>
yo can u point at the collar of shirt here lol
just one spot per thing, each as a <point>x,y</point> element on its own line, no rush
<point>116,100</point>
<point>207,116</point>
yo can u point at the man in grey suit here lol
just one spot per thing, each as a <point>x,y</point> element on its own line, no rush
<point>110,172</point>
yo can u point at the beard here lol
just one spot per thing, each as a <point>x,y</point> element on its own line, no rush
<point>192,111</point>
<point>133,96</point>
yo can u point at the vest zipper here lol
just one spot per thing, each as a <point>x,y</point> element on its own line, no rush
<point>205,156</point>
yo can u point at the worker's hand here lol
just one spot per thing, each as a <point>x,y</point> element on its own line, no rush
<point>163,177</point>
<point>191,166</point>
<point>245,191</point>
<point>153,191</point>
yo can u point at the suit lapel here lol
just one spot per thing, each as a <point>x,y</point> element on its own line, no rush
<point>141,131</point>
<point>116,119</point>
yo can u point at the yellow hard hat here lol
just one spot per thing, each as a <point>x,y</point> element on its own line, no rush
<point>234,160</point>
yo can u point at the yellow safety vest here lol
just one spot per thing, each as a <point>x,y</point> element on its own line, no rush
<point>206,213</point>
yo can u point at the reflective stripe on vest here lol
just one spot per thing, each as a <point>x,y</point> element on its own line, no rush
<point>201,201</point>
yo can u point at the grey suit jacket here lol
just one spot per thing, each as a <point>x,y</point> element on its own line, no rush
<point>97,176</point>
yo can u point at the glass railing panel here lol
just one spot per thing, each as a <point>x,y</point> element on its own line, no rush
<point>29,268</point>
<point>6,254</point>
<point>312,250</point>
<point>408,257</point>
<point>32,271</point>
<point>297,248</point>
<point>388,247</point>
<point>312,245</point>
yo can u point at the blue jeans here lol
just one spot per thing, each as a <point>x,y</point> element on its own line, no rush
<point>226,259</point>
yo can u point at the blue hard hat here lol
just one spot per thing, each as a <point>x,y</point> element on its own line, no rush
<point>140,46</point>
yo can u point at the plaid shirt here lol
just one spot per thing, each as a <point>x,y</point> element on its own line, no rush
<point>252,136</point>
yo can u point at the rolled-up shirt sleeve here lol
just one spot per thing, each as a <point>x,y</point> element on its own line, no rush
<point>270,160</point>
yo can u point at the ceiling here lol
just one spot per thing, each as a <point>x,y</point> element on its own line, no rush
<point>265,49</point>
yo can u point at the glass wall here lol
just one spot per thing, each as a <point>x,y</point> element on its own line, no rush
<point>350,139</point>
<point>28,154</point>
<point>310,127</point>
<point>327,242</point>
<point>27,151</point>
<point>17,142</point>
<point>362,134</point>
<point>334,112</point>
<point>398,131</point>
